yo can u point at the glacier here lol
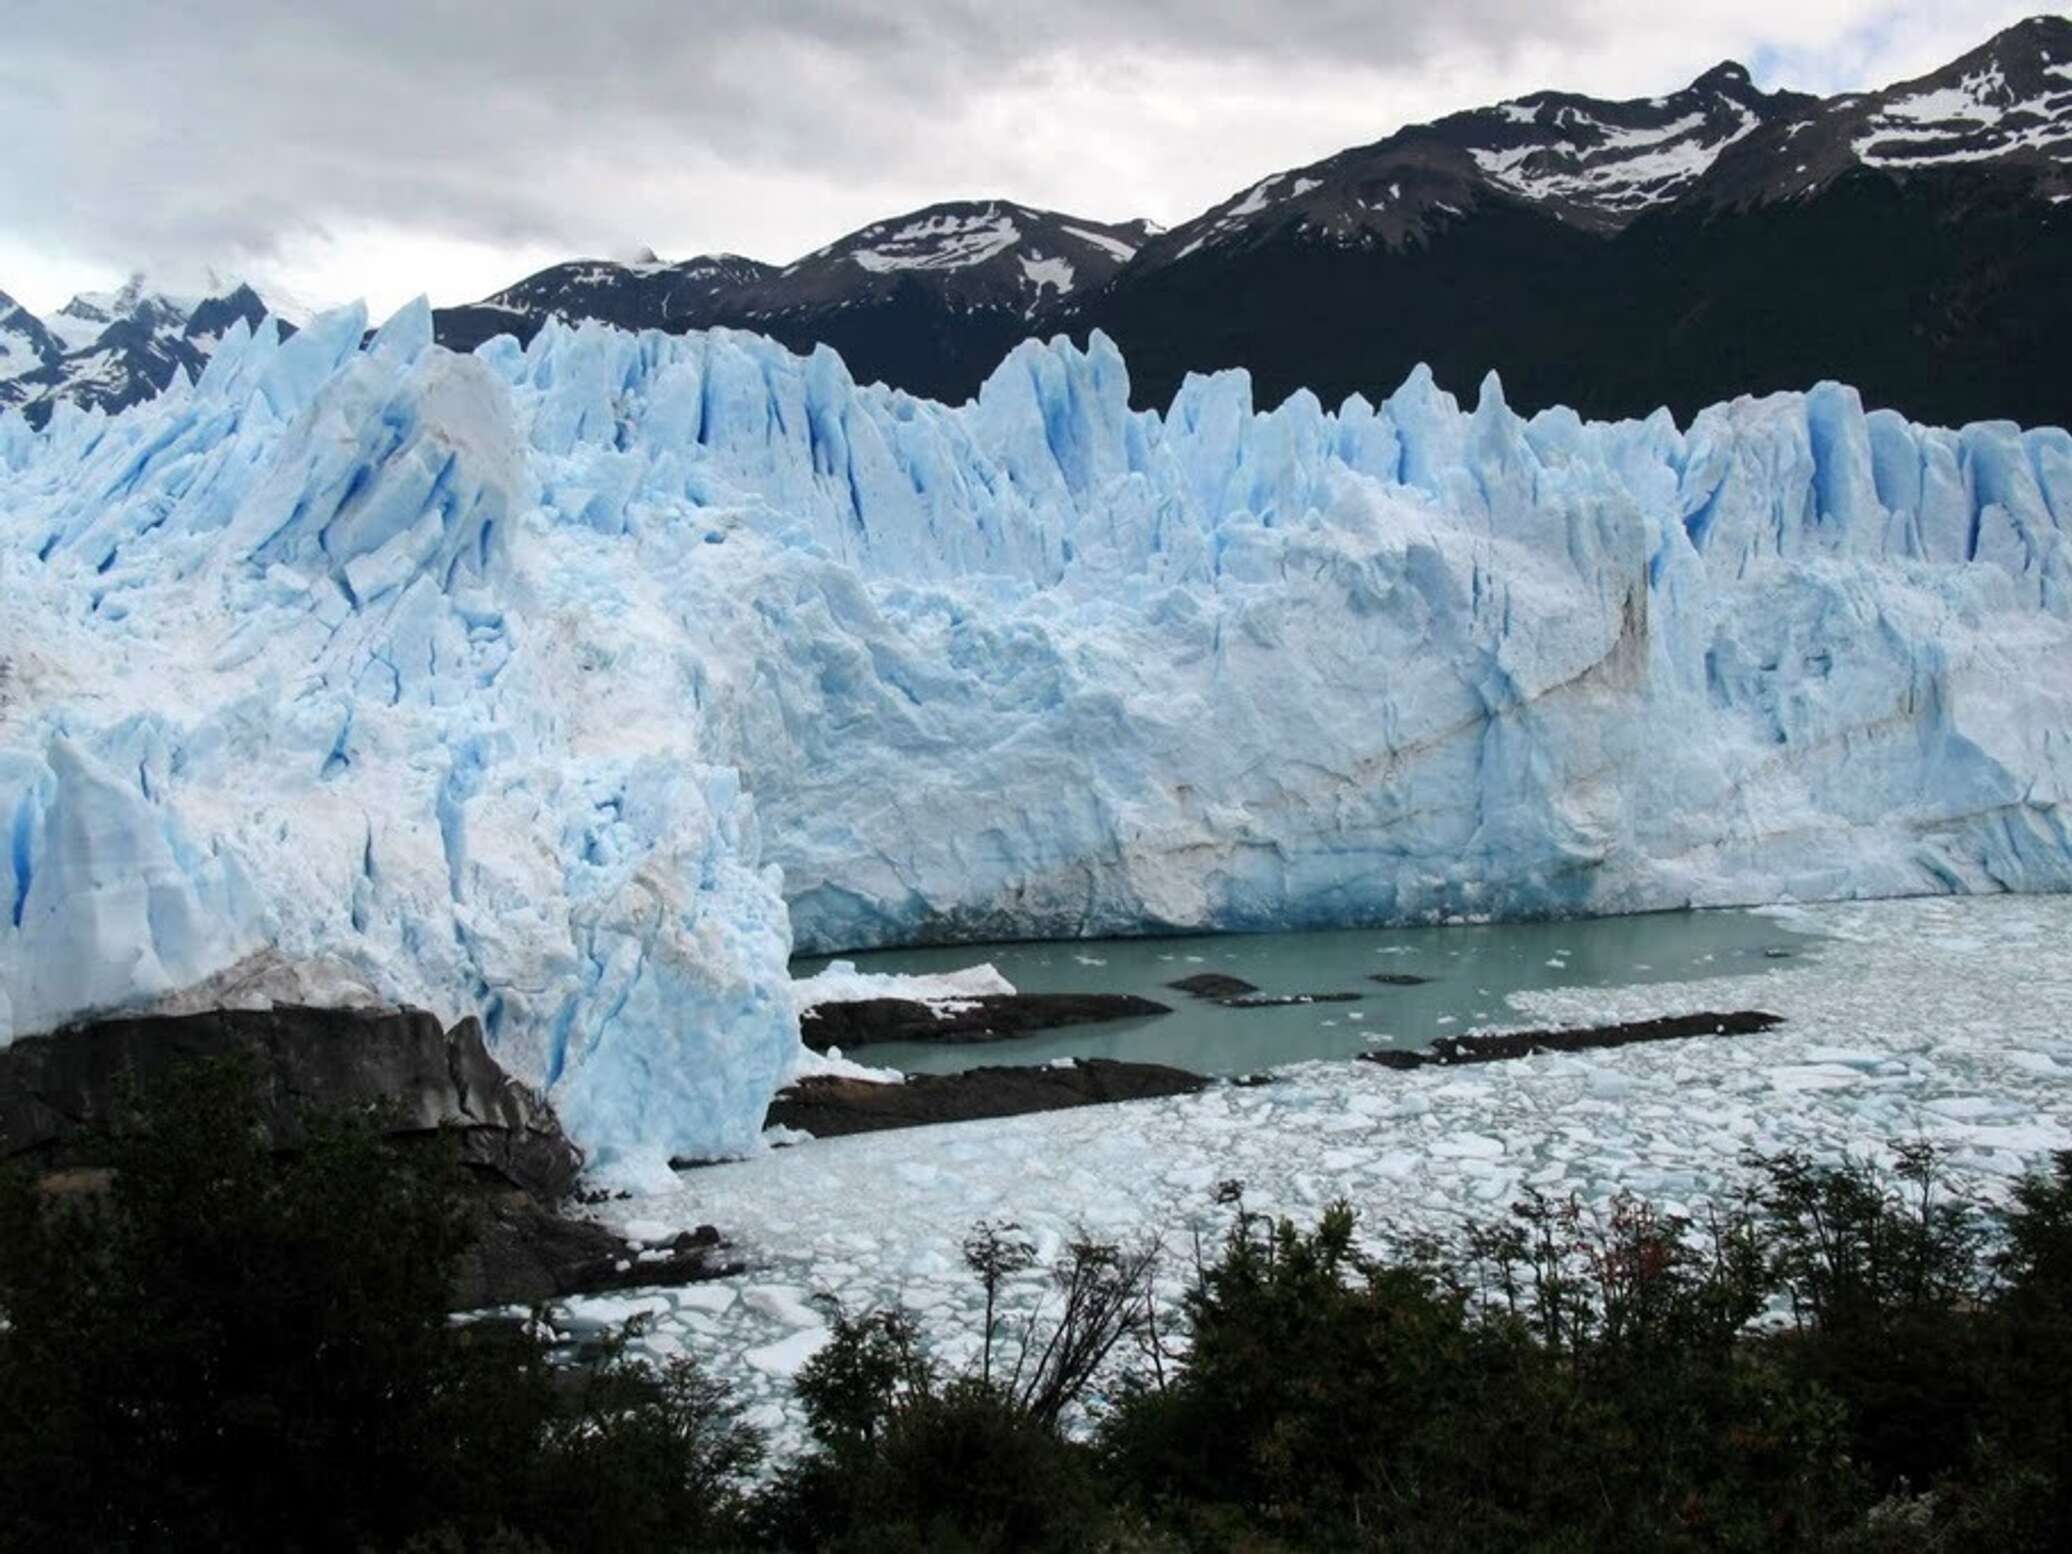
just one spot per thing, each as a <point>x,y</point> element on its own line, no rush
<point>575,686</point>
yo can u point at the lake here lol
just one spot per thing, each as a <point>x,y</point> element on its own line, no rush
<point>1471,968</point>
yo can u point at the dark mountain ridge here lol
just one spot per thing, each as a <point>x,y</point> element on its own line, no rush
<point>1915,242</point>
<point>930,300</point>
<point>1616,256</point>
<point>107,352</point>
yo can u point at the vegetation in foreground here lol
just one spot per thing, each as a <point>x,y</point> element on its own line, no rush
<point>219,1349</point>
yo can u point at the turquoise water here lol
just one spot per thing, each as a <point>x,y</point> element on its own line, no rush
<point>1472,968</point>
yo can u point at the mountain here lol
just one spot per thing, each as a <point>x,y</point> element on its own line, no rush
<point>1612,255</point>
<point>111,350</point>
<point>2006,105</point>
<point>640,294</point>
<point>1615,256</point>
<point>26,345</point>
<point>1587,164</point>
<point>1619,256</point>
<point>929,301</point>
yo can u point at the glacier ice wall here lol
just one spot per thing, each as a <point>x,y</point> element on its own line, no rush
<point>297,669</point>
<point>513,680</point>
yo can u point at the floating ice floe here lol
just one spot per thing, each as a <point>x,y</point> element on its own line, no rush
<point>1964,1048</point>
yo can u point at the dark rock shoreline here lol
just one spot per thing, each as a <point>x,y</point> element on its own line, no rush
<point>829,1107</point>
<point>1284,1000</point>
<point>990,1017</point>
<point>1500,1046</point>
<point>1216,987</point>
<point>1213,985</point>
<point>61,1095</point>
<point>64,1096</point>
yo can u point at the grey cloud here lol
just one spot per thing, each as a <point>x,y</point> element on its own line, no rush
<point>185,130</point>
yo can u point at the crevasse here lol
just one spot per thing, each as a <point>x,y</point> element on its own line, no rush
<point>572,686</point>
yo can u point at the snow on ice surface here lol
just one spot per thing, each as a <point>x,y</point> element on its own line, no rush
<point>503,681</point>
<point>1929,1018</point>
<point>841,983</point>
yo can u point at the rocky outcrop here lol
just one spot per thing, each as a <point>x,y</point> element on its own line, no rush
<point>64,1098</point>
<point>1213,984</point>
<point>527,1255</point>
<point>1236,993</point>
<point>63,1095</point>
<point>1285,1000</point>
<point>992,1017</point>
<point>827,1107</point>
<point>1499,1046</point>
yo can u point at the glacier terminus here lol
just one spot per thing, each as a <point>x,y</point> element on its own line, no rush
<point>578,685</point>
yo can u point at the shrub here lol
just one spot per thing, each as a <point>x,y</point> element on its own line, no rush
<point>227,1349</point>
<point>909,1457</point>
<point>641,1458</point>
<point>2031,1329</point>
<point>1559,1384</point>
<point>1884,1278</point>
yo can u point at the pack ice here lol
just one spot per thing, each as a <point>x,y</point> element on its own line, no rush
<point>574,685</point>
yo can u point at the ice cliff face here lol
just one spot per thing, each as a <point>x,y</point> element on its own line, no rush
<point>463,672</point>
<point>298,668</point>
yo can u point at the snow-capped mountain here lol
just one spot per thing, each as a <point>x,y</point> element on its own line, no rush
<point>2007,104</point>
<point>1591,163</point>
<point>642,293</point>
<point>111,350</point>
<point>928,301</point>
<point>1599,165</point>
<point>1616,255</point>
<point>26,344</point>
<point>80,321</point>
<point>988,255</point>
<point>1675,251</point>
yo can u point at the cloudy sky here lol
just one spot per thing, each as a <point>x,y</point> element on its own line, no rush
<point>380,148</point>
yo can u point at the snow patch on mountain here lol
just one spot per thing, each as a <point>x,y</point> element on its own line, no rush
<point>1979,118</point>
<point>2000,103</point>
<point>1048,274</point>
<point>1618,168</point>
<point>108,350</point>
<point>26,346</point>
<point>942,242</point>
<point>1114,247</point>
<point>1258,197</point>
